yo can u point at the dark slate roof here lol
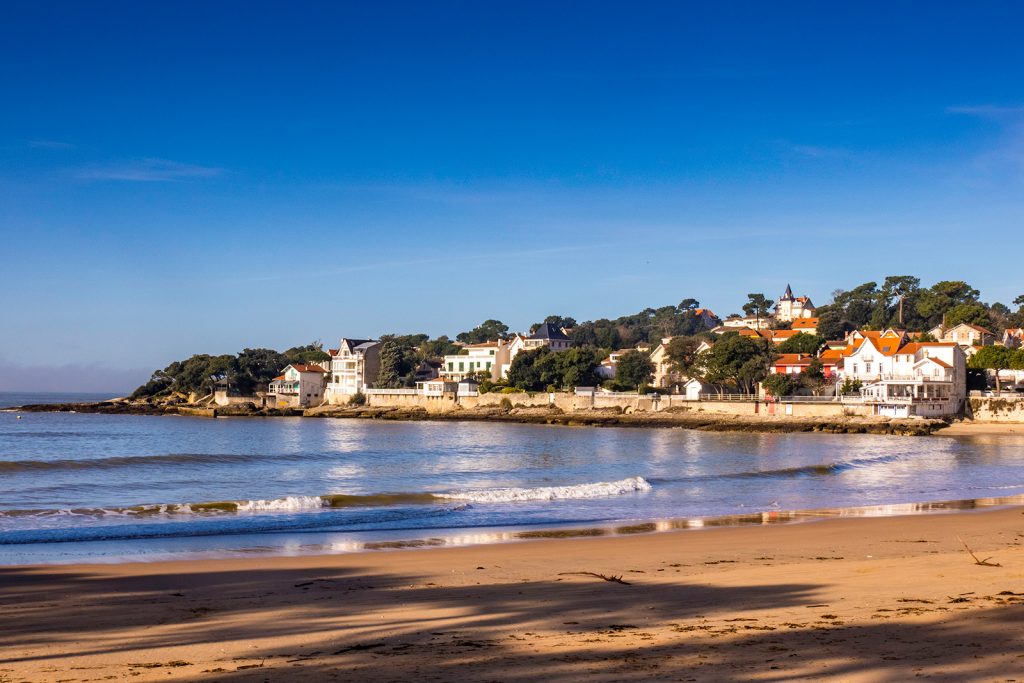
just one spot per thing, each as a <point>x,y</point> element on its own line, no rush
<point>356,343</point>
<point>548,331</point>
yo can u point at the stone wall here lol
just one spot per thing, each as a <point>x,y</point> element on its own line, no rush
<point>567,402</point>
<point>995,409</point>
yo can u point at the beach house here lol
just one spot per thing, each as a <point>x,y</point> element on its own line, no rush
<point>490,359</point>
<point>907,379</point>
<point>354,367</point>
<point>298,386</point>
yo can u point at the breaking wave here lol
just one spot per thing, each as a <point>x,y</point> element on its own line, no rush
<point>341,500</point>
<point>598,490</point>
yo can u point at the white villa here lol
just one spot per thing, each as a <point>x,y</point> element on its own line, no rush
<point>791,307</point>
<point>354,367</point>
<point>904,379</point>
<point>489,357</point>
<point>299,386</point>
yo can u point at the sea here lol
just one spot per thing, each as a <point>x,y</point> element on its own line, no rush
<point>113,488</point>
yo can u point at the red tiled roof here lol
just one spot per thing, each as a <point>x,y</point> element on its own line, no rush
<point>794,359</point>
<point>302,367</point>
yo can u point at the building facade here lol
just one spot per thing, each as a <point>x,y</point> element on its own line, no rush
<point>354,367</point>
<point>791,307</point>
<point>298,386</point>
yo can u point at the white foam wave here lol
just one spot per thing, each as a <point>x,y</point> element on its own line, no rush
<point>281,504</point>
<point>596,490</point>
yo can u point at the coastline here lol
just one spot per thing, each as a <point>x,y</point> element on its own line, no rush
<point>698,420</point>
<point>884,598</point>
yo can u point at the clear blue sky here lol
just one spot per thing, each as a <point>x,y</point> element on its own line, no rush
<point>180,177</point>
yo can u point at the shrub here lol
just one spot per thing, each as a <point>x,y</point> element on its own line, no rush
<point>358,399</point>
<point>506,405</point>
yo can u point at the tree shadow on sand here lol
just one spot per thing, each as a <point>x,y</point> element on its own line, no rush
<point>346,624</point>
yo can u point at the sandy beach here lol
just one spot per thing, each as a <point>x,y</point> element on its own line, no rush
<point>878,599</point>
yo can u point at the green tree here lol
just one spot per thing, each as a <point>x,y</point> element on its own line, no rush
<point>758,305</point>
<point>993,358</point>
<point>740,361</point>
<point>436,349</point>
<point>254,368</point>
<point>310,353</point>
<point>937,300</point>
<point>526,369</point>
<point>682,354</point>
<point>780,384</point>
<point>813,377</point>
<point>858,304</point>
<point>802,342</point>
<point>488,330</point>
<point>392,360</point>
<point>831,324</point>
<point>633,370</point>
<point>972,314</point>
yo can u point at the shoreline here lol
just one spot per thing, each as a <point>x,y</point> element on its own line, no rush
<point>714,422</point>
<point>861,599</point>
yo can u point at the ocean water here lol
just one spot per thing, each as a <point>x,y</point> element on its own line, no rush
<point>81,487</point>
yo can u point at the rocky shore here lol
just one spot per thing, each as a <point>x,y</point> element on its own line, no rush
<point>553,416</point>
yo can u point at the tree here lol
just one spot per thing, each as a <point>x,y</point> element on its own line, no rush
<point>813,377</point>
<point>858,304</point>
<point>780,384</point>
<point>633,370</point>
<point>736,360</point>
<point>757,305</point>
<point>682,353</point>
<point>688,305</point>
<point>525,370</point>
<point>802,342</point>
<point>391,361</point>
<point>488,330</point>
<point>436,349</point>
<point>310,353</point>
<point>972,314</point>
<point>255,368</point>
<point>938,299</point>
<point>994,358</point>
<point>832,324</point>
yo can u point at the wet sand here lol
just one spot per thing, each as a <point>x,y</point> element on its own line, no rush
<point>879,599</point>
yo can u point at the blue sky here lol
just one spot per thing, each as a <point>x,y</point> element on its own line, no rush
<point>180,178</point>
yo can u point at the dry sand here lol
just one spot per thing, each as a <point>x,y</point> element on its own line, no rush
<point>882,599</point>
<point>964,428</point>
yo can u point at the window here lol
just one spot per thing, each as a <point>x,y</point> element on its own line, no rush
<point>492,352</point>
<point>488,366</point>
<point>451,366</point>
<point>461,366</point>
<point>867,368</point>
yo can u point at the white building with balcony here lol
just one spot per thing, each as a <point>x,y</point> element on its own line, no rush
<point>924,379</point>
<point>354,367</point>
<point>299,386</point>
<point>491,358</point>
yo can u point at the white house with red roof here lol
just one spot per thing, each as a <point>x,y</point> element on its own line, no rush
<point>906,379</point>
<point>300,385</point>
